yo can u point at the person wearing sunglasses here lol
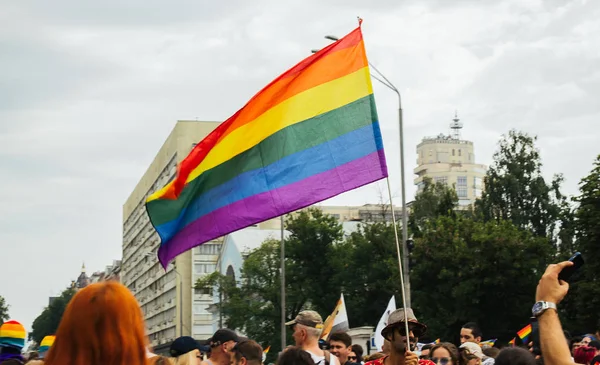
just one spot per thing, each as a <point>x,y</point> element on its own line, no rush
<point>353,359</point>
<point>444,353</point>
<point>395,333</point>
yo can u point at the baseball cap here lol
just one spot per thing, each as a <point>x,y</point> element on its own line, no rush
<point>396,319</point>
<point>223,335</point>
<point>473,349</point>
<point>183,345</point>
<point>307,318</point>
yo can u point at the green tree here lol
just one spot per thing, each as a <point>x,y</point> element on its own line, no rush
<point>434,200</point>
<point>468,270</point>
<point>515,189</point>
<point>367,272</point>
<point>581,305</point>
<point>3,310</point>
<point>47,322</point>
<point>253,304</point>
<point>310,256</point>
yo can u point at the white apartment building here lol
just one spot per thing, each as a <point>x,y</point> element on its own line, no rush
<point>170,305</point>
<point>450,160</point>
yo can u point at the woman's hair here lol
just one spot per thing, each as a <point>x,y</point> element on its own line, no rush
<point>103,324</point>
<point>450,348</point>
<point>584,354</point>
<point>187,358</point>
<point>161,360</point>
<point>295,356</point>
<point>514,356</point>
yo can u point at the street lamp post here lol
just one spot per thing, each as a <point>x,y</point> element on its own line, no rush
<point>180,300</point>
<point>405,260</point>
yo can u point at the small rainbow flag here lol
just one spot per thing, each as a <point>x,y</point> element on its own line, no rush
<point>524,333</point>
<point>12,333</point>
<point>265,352</point>
<point>512,342</point>
<point>309,135</point>
<point>47,342</point>
<point>490,343</point>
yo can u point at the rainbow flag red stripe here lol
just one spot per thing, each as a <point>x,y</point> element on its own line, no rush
<point>309,135</point>
<point>524,333</point>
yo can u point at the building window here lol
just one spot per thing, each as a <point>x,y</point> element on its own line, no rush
<point>202,291</point>
<point>461,181</point>
<point>208,249</point>
<point>459,152</point>
<point>453,152</point>
<point>441,179</point>
<point>461,192</point>
<point>430,152</point>
<point>204,268</point>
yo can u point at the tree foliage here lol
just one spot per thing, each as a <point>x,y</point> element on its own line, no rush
<point>434,200</point>
<point>476,271</point>
<point>3,310</point>
<point>515,189</point>
<point>368,272</point>
<point>47,322</point>
<point>253,305</point>
<point>581,305</point>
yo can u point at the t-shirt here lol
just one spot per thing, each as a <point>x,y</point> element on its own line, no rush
<point>595,360</point>
<point>320,360</point>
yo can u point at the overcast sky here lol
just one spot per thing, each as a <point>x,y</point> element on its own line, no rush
<point>90,90</point>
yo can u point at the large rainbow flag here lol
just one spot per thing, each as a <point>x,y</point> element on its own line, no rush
<point>309,135</point>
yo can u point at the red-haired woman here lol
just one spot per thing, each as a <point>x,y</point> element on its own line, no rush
<point>102,325</point>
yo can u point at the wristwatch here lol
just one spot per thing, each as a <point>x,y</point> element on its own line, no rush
<point>541,306</point>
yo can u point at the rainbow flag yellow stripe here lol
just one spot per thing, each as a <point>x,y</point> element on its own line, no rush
<point>47,342</point>
<point>12,333</point>
<point>311,134</point>
<point>524,333</point>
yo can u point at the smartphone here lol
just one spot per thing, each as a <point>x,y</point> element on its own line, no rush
<point>535,337</point>
<point>567,272</point>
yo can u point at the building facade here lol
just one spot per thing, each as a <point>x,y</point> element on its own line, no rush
<point>167,297</point>
<point>450,160</point>
<point>110,273</point>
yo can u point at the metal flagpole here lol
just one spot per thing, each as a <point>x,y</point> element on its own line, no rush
<point>385,82</point>
<point>399,263</point>
<point>282,287</point>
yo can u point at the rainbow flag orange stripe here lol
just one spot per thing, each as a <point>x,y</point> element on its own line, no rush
<point>309,135</point>
<point>524,333</point>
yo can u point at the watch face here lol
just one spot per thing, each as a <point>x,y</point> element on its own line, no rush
<point>537,307</point>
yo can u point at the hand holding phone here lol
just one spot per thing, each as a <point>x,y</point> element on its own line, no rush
<point>568,271</point>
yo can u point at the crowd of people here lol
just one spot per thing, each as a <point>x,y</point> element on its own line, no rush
<point>103,325</point>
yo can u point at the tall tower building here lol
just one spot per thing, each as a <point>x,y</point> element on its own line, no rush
<point>170,304</point>
<point>451,160</point>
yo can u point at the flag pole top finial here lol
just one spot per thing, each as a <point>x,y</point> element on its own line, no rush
<point>359,21</point>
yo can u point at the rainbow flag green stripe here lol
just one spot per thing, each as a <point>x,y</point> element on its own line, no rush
<point>286,142</point>
<point>309,135</point>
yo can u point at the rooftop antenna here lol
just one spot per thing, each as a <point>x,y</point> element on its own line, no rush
<point>455,127</point>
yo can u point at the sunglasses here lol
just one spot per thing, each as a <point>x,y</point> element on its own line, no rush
<point>441,360</point>
<point>352,358</point>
